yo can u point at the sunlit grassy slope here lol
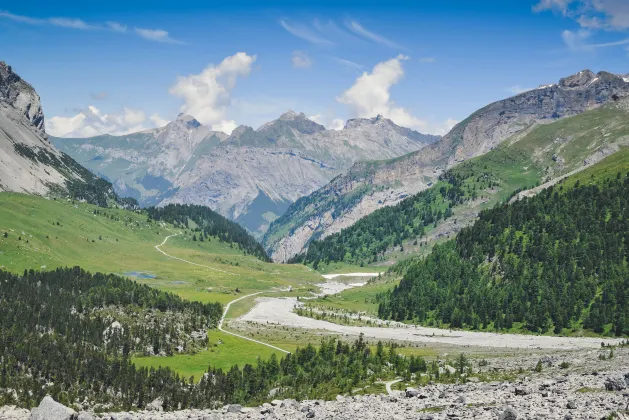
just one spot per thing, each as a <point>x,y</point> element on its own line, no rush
<point>48,233</point>
<point>43,234</point>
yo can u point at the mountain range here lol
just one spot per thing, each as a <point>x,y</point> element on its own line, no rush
<point>368,186</point>
<point>250,176</point>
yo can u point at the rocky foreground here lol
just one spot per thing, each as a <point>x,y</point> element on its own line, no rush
<point>575,385</point>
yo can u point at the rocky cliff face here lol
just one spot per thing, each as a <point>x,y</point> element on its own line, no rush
<point>28,162</point>
<point>251,176</point>
<point>369,186</point>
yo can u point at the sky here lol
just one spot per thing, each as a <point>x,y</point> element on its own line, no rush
<point>118,66</point>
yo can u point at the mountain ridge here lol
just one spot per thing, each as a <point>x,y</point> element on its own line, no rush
<point>367,187</point>
<point>251,175</point>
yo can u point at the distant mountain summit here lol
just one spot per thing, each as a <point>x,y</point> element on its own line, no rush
<point>28,162</point>
<point>366,187</point>
<point>251,176</point>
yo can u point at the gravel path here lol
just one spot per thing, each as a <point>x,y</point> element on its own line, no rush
<point>220,325</point>
<point>279,311</point>
<point>157,247</point>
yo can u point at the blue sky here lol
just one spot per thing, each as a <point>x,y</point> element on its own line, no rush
<point>115,67</point>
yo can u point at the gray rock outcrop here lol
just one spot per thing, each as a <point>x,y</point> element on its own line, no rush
<point>50,409</point>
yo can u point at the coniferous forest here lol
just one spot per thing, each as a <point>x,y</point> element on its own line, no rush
<point>211,224</point>
<point>370,238</point>
<point>552,262</point>
<point>57,338</point>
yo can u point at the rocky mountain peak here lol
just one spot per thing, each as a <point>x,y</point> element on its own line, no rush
<point>188,120</point>
<point>292,115</point>
<point>291,120</point>
<point>582,78</point>
<point>20,95</point>
<point>240,130</point>
<point>366,122</point>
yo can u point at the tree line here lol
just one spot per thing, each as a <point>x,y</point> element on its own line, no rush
<point>555,262</point>
<point>52,342</point>
<point>210,223</point>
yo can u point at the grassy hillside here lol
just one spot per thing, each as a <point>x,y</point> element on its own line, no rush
<point>554,263</point>
<point>41,234</point>
<point>53,233</point>
<point>525,160</point>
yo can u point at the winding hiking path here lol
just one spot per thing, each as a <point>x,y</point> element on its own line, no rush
<point>388,384</point>
<point>220,323</point>
<point>157,247</point>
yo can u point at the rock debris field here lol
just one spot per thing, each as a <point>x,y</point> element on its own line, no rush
<point>571,385</point>
<point>279,311</point>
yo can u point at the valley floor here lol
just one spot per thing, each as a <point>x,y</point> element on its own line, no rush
<point>279,311</point>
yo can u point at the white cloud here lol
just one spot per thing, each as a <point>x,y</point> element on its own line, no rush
<point>56,21</point>
<point>349,64</point>
<point>70,23</point>
<point>362,31</point>
<point>328,121</point>
<point>117,27</point>
<point>92,122</point>
<point>559,5</point>
<point>446,127</point>
<point>517,89</point>
<point>158,35</point>
<point>225,126</point>
<point>593,14</point>
<point>301,60</point>
<point>575,41</point>
<point>370,94</point>
<point>337,124</point>
<point>133,116</point>
<point>207,95</point>
<point>305,33</point>
<point>158,121</point>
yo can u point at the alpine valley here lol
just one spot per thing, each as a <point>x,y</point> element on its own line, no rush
<point>250,176</point>
<point>294,272</point>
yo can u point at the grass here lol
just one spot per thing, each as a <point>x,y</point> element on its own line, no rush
<point>44,234</point>
<point>607,168</point>
<point>50,234</point>
<point>231,351</point>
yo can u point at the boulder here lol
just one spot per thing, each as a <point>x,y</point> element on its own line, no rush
<point>234,408</point>
<point>156,405</point>
<point>290,403</point>
<point>572,405</point>
<point>86,415</point>
<point>461,399</point>
<point>615,383</point>
<point>521,390</point>
<point>509,414</point>
<point>310,414</point>
<point>411,392</point>
<point>50,409</point>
